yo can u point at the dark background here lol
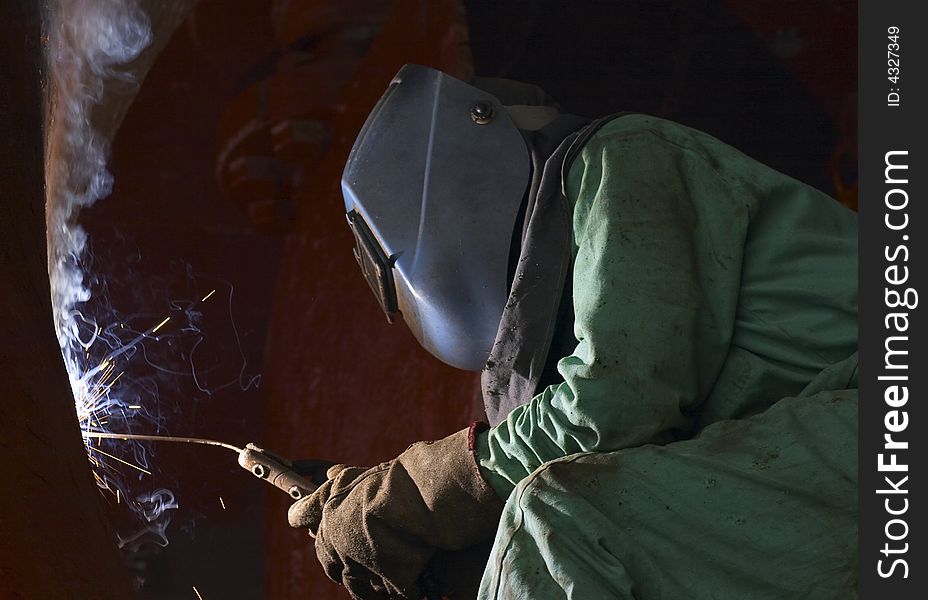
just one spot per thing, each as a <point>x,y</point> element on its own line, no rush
<point>225,177</point>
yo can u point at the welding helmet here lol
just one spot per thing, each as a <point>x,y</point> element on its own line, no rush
<point>433,188</point>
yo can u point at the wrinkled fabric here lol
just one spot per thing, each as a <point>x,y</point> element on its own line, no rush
<point>760,508</point>
<point>377,529</point>
<point>707,288</point>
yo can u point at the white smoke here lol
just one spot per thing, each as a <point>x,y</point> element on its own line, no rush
<point>152,507</point>
<point>89,44</point>
<point>88,41</point>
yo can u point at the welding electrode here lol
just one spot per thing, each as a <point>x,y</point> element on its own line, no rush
<point>263,464</point>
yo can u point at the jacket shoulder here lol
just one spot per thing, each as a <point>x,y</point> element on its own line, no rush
<point>649,129</point>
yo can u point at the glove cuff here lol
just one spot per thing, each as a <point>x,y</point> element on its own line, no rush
<point>476,428</point>
<point>465,508</point>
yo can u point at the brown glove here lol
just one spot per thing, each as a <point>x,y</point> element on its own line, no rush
<point>377,529</point>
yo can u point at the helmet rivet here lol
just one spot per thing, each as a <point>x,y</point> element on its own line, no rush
<point>481,113</point>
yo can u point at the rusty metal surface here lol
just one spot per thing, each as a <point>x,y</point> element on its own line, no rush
<point>341,383</point>
<point>275,132</point>
<point>54,539</point>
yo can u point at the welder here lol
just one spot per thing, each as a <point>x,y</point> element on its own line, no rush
<point>667,336</point>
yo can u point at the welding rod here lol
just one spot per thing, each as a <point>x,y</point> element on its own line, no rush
<point>158,438</point>
<point>263,464</point>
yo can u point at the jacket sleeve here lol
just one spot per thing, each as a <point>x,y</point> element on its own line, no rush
<point>661,214</point>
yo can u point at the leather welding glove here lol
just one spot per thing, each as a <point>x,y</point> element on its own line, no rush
<point>377,529</point>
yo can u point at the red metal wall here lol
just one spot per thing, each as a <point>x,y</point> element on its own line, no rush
<point>342,384</point>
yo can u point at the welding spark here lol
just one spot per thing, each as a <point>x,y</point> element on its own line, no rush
<point>222,503</point>
<point>125,462</point>
<point>197,593</point>
<point>161,324</point>
<point>110,397</point>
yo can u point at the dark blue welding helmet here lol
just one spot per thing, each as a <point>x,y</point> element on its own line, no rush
<point>433,187</point>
